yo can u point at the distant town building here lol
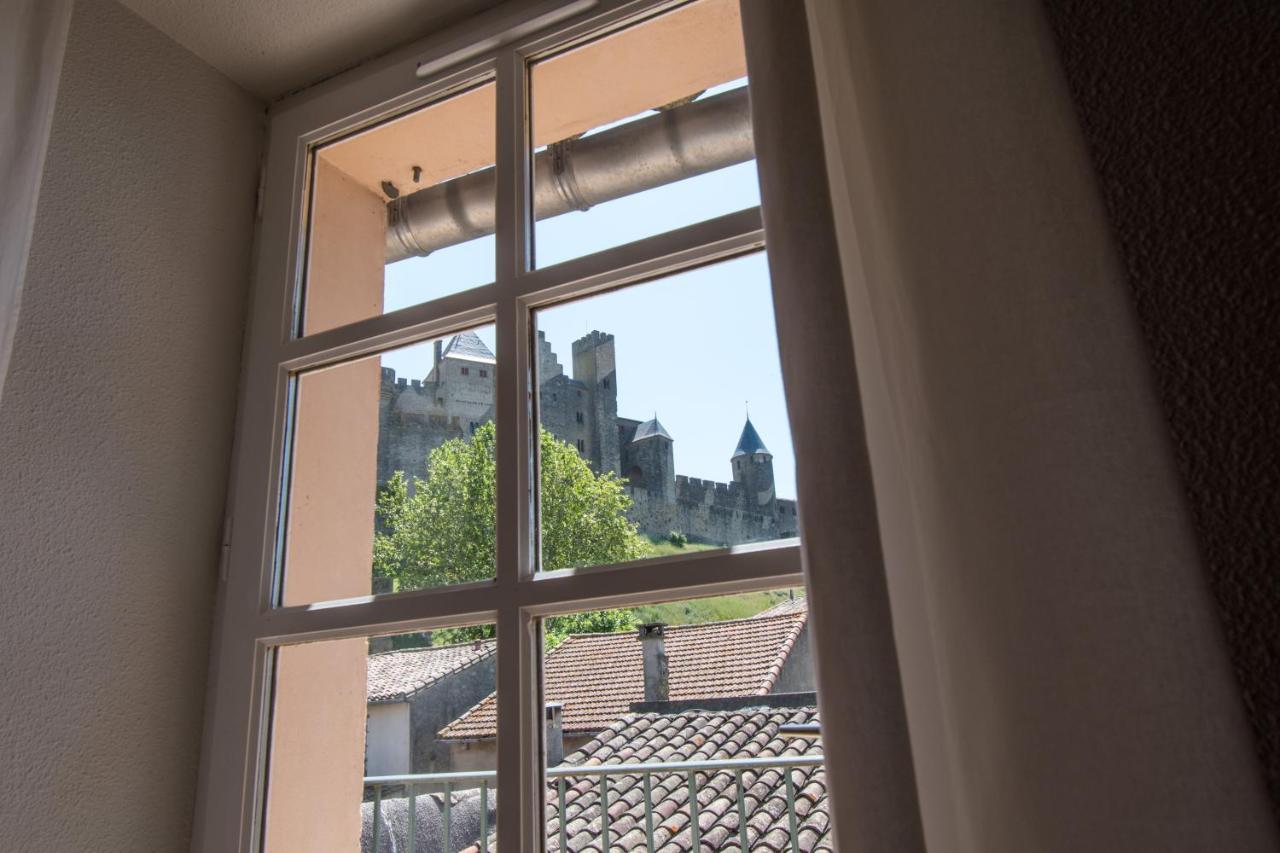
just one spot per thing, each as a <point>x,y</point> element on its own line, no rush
<point>412,693</point>
<point>746,728</point>
<point>592,680</point>
<point>714,692</point>
<point>457,397</point>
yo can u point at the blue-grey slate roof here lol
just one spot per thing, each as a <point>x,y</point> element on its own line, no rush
<point>750,442</point>
<point>468,346</point>
<point>649,429</point>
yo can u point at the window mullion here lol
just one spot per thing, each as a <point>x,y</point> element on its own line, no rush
<point>519,648</point>
<point>514,380</point>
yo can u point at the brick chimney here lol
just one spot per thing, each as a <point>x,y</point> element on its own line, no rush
<point>555,733</point>
<point>653,644</point>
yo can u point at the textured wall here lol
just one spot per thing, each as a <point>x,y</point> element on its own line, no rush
<point>441,704</point>
<point>797,670</point>
<point>1180,111</point>
<point>115,433</point>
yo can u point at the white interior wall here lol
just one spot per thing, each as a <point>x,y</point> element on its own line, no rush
<point>33,34</point>
<point>115,434</point>
<point>1066,683</point>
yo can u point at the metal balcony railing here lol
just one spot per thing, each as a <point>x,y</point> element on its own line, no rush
<point>484,780</point>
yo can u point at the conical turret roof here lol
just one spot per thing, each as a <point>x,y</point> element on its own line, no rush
<point>749,442</point>
<point>649,429</point>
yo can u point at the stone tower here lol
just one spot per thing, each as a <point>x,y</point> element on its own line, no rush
<point>753,470</point>
<point>548,365</point>
<point>594,365</point>
<point>651,461</point>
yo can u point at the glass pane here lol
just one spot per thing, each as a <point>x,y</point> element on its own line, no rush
<point>356,751</point>
<point>392,479</point>
<point>640,132</point>
<point>402,213</point>
<point>670,434</point>
<point>726,682</point>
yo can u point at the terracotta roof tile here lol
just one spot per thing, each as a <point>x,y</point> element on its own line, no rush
<point>397,675</point>
<point>784,608</point>
<point>598,676</point>
<point>696,736</point>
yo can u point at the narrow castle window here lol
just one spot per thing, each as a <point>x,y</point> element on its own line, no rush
<point>484,374</point>
<point>466,371</point>
<point>605,384</point>
<point>581,447</point>
<point>579,417</point>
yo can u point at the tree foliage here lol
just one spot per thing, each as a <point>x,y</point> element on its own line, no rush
<point>442,530</point>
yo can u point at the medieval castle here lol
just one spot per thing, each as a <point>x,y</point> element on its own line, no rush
<point>582,411</point>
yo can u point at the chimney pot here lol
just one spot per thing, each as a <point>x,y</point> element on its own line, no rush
<point>653,646</point>
<point>555,733</point>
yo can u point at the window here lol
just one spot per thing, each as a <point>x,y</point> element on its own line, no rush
<point>359,266</point>
<point>369,522</point>
<point>708,472</point>
<point>703,692</point>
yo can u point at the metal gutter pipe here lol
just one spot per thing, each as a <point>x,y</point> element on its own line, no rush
<point>578,173</point>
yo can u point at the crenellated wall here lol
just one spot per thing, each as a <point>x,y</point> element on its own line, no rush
<point>417,416</point>
<point>711,512</point>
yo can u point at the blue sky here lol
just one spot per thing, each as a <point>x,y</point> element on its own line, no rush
<point>695,347</point>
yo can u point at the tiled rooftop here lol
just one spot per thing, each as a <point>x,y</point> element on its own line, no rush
<point>785,608</point>
<point>697,736</point>
<point>395,676</point>
<point>598,676</point>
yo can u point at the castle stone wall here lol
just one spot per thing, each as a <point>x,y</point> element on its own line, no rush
<point>565,411</point>
<point>594,365</point>
<point>457,397</point>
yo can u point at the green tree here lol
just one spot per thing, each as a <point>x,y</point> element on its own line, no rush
<point>443,533</point>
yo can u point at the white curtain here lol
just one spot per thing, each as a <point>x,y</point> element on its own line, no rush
<point>1065,678</point>
<point>33,36</point>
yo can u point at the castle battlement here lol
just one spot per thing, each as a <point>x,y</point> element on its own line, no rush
<point>401,384</point>
<point>591,340</point>
<point>582,412</point>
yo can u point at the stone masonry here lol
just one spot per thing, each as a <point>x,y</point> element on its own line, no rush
<point>457,397</point>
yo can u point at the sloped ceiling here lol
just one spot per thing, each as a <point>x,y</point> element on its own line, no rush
<point>273,47</point>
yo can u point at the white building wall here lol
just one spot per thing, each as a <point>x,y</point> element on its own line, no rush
<point>386,741</point>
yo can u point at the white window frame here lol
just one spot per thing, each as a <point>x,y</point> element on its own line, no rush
<point>499,46</point>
